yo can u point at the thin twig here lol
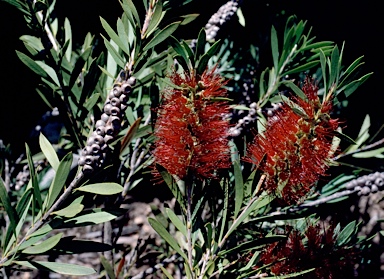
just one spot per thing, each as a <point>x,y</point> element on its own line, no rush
<point>366,147</point>
<point>325,199</point>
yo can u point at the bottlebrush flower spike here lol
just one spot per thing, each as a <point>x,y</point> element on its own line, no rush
<point>315,248</point>
<point>191,130</point>
<point>294,150</point>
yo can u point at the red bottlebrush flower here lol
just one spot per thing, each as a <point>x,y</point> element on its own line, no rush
<point>315,248</point>
<point>191,130</point>
<point>294,150</point>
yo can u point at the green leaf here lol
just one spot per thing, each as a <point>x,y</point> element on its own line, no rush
<point>32,64</point>
<point>68,38</point>
<point>107,266</point>
<point>167,237</point>
<point>92,101</point>
<point>178,47</point>
<point>33,42</point>
<point>121,31</point>
<point>102,188</point>
<point>177,193</point>
<point>44,246</point>
<point>261,201</point>
<point>6,203</point>
<point>35,184</point>
<point>369,154</point>
<point>346,234</point>
<point>188,18</point>
<point>61,268</point>
<point>51,73</point>
<point>239,188</point>
<point>344,137</point>
<point>334,70</point>
<point>115,55</point>
<point>90,219</point>
<point>79,65</point>
<point>324,70</point>
<point>203,61</point>
<point>49,152</point>
<point>302,68</point>
<point>71,210</point>
<point>201,40</point>
<point>156,18</point>
<point>249,183</point>
<point>162,35</point>
<point>295,89</point>
<point>166,273</point>
<point>275,48</point>
<point>176,221</point>
<point>111,33</point>
<point>241,17</point>
<point>59,180</point>
<point>351,87</point>
<point>133,11</point>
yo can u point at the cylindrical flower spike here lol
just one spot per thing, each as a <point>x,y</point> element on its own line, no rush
<point>294,150</point>
<point>191,130</point>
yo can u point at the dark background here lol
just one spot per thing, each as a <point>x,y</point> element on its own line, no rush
<point>360,26</point>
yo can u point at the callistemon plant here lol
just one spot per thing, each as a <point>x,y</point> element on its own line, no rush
<point>191,130</point>
<point>295,149</point>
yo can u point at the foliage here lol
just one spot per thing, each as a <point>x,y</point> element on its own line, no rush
<point>151,108</point>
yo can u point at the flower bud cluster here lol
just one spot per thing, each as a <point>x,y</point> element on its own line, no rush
<point>366,184</point>
<point>219,18</point>
<point>108,126</point>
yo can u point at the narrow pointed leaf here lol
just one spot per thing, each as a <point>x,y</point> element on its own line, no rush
<point>112,34</point>
<point>203,62</point>
<point>71,210</point>
<point>6,203</point>
<point>49,152</point>
<point>44,246</point>
<point>35,184</point>
<point>115,55</point>
<point>239,188</point>
<point>59,180</point>
<point>91,218</point>
<point>32,64</point>
<point>275,48</point>
<point>176,221</point>
<point>133,11</point>
<point>162,35</point>
<point>107,266</point>
<point>167,237</point>
<point>68,38</point>
<point>102,188</point>
<point>201,40</point>
<point>302,68</point>
<point>50,72</point>
<point>129,135</point>
<point>296,89</point>
<point>61,268</point>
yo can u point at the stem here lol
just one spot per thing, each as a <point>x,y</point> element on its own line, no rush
<point>230,230</point>
<point>189,225</point>
<point>148,18</point>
